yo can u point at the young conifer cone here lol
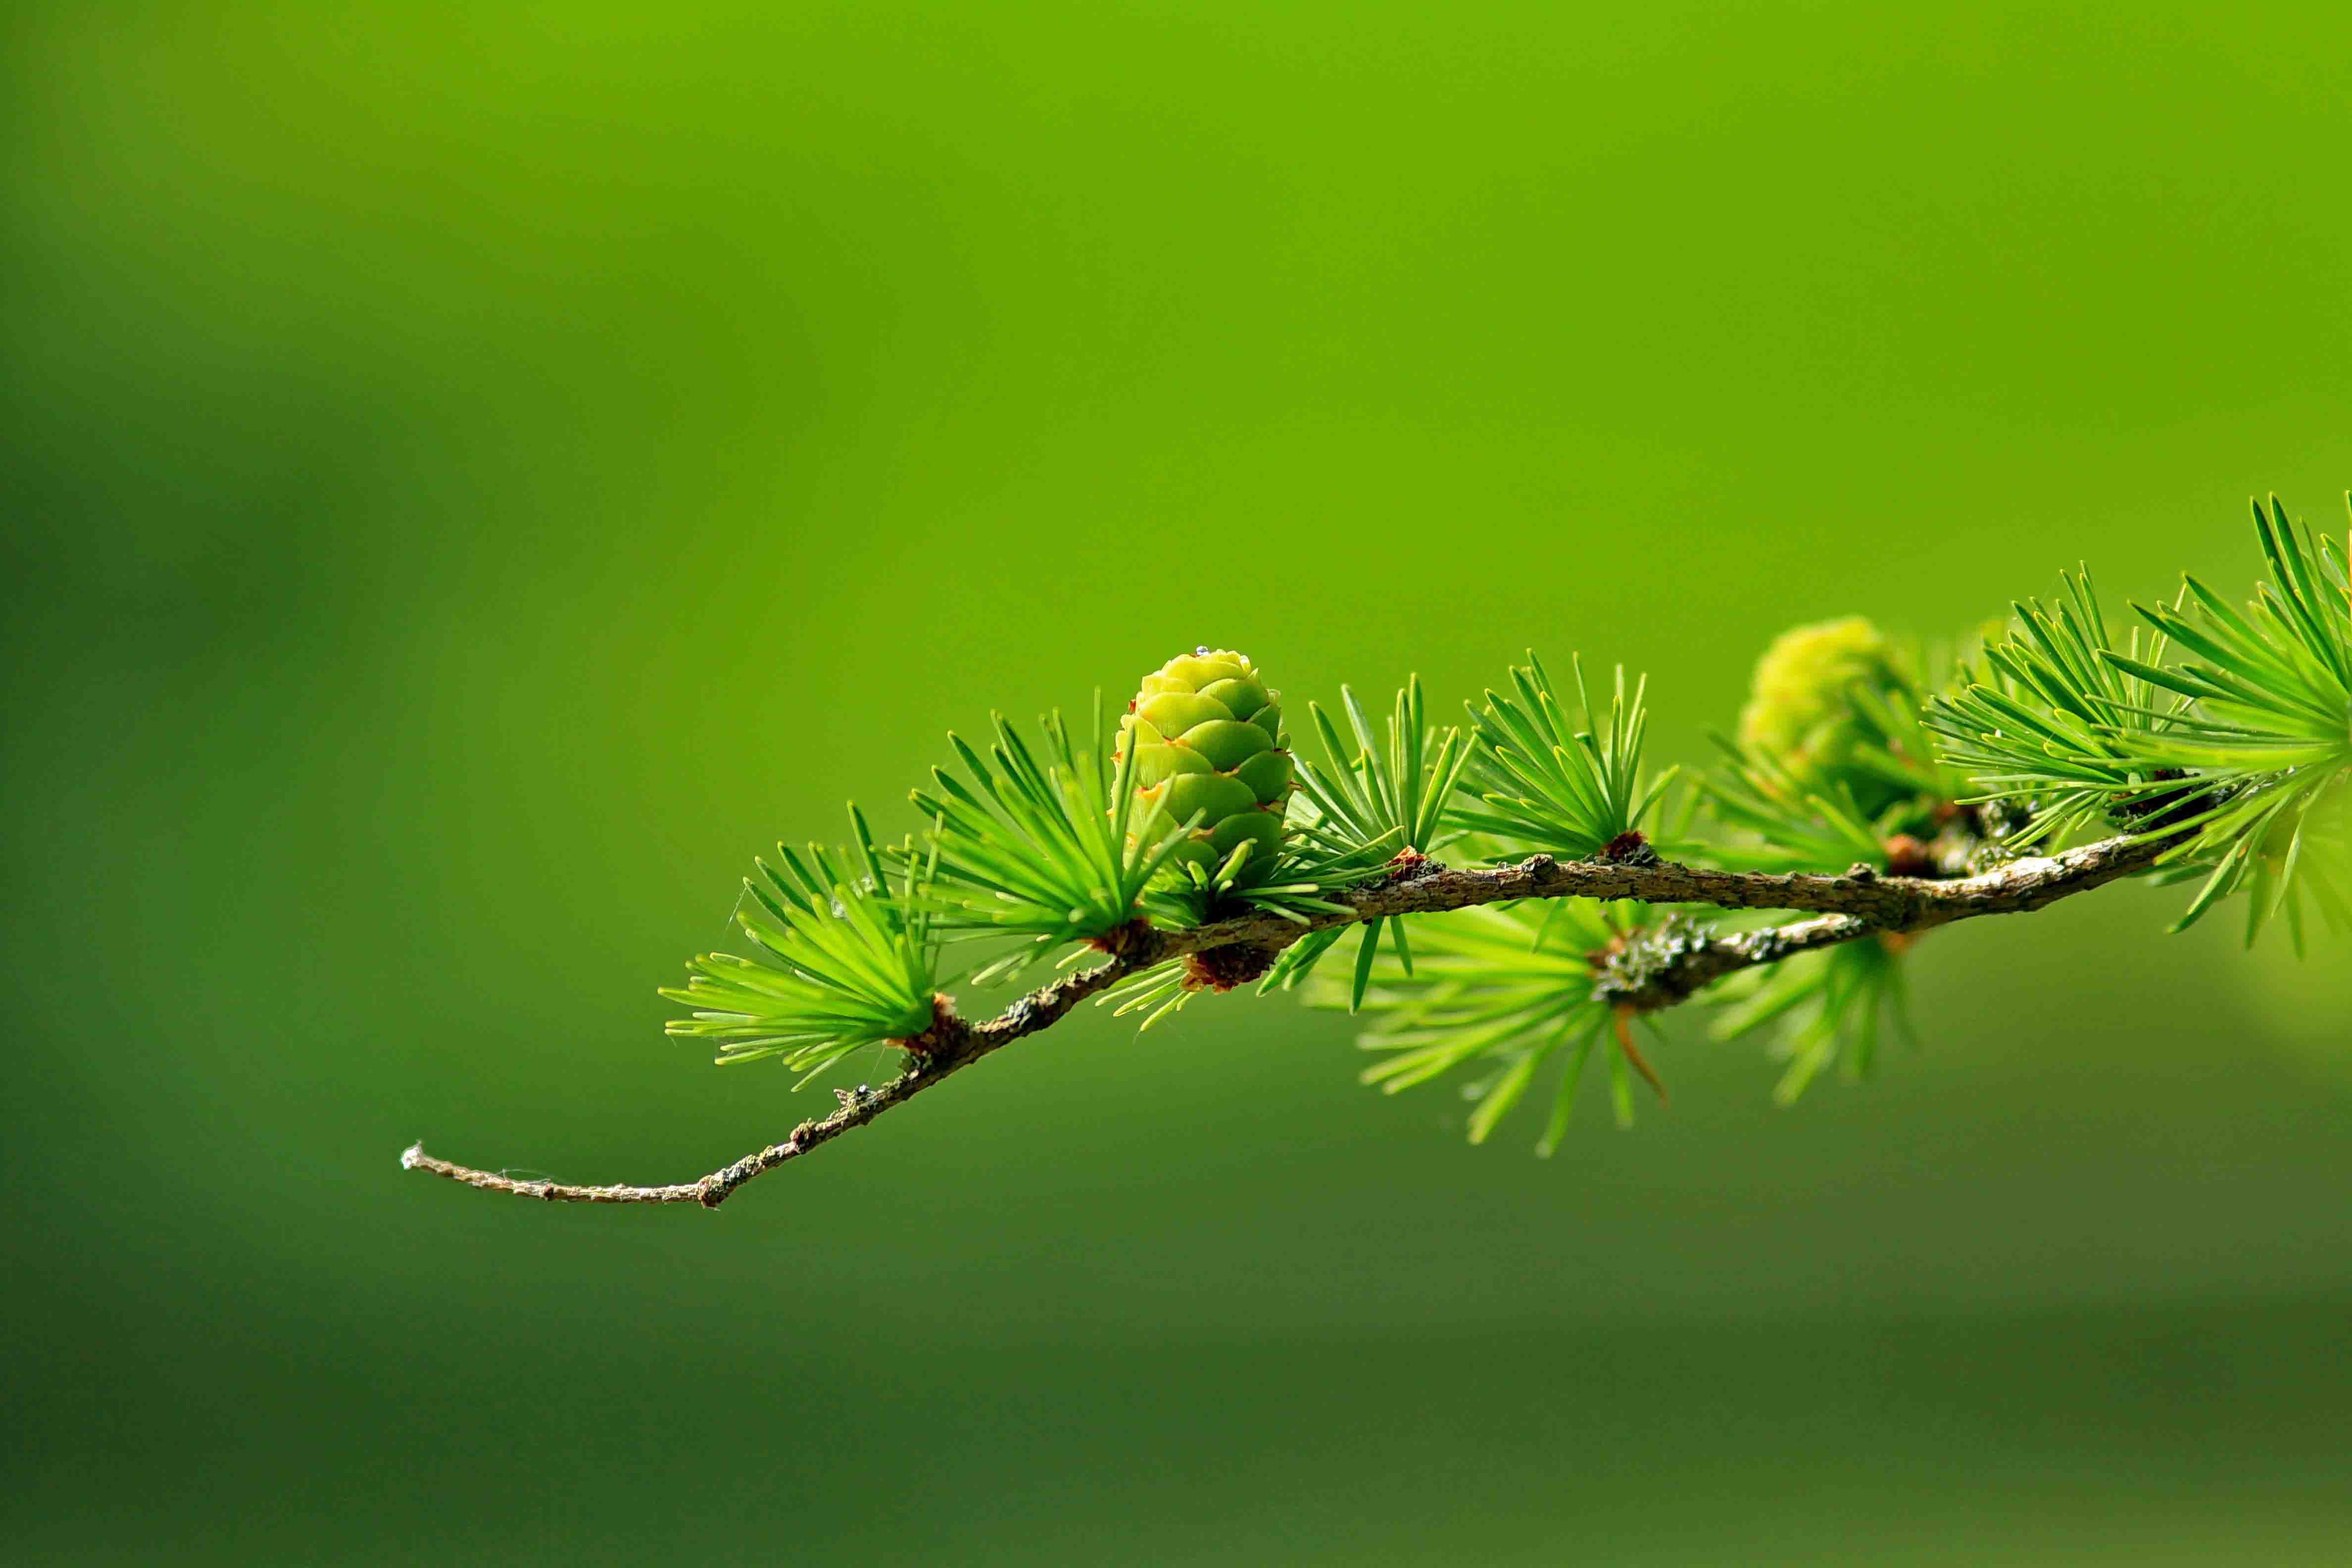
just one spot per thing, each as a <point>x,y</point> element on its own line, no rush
<point>1800,708</point>
<point>1208,738</point>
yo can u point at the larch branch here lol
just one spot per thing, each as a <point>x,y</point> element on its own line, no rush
<point>1846,907</point>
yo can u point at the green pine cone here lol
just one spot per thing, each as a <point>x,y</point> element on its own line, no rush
<point>1208,738</point>
<point>1800,710</point>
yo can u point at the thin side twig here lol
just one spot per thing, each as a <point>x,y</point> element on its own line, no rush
<point>2018,887</point>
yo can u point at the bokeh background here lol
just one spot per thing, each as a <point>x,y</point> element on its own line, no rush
<point>476,475</point>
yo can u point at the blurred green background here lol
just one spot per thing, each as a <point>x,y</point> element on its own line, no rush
<point>476,475</point>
